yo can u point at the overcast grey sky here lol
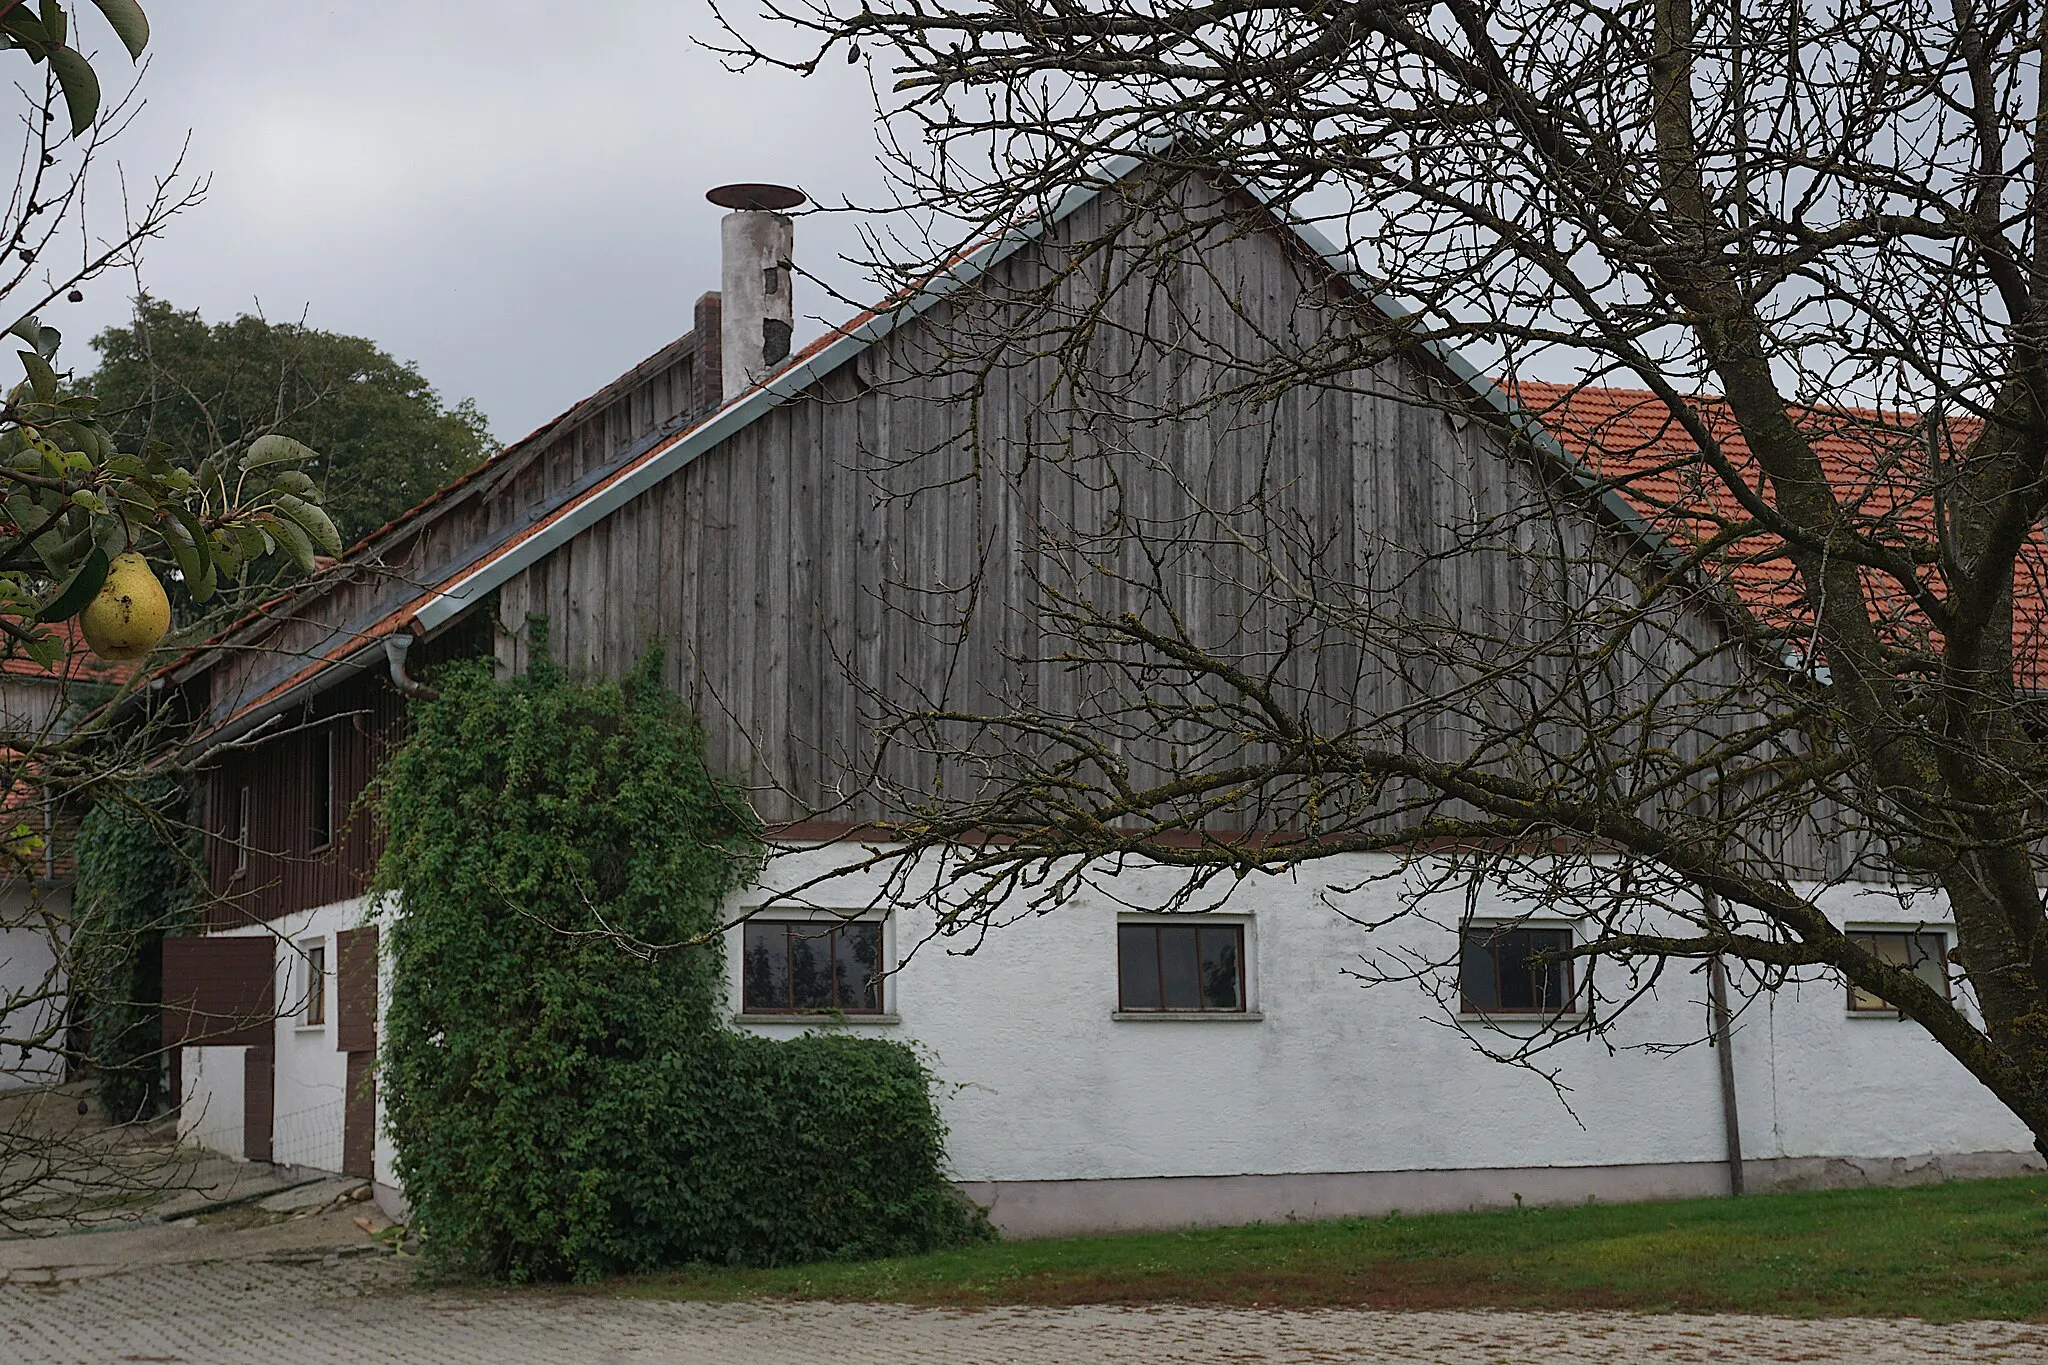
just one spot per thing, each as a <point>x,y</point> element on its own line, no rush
<point>523,215</point>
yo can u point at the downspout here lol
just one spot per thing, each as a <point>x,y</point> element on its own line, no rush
<point>395,648</point>
<point>1717,989</point>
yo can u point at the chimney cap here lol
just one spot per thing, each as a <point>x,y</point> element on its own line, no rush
<point>756,197</point>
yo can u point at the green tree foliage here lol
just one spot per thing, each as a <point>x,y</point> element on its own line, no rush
<point>136,882</point>
<point>385,440</point>
<point>564,1094</point>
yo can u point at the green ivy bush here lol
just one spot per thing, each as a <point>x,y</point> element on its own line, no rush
<point>137,870</point>
<point>565,1096</point>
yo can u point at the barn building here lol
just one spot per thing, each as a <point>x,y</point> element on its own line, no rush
<point>1106,1066</point>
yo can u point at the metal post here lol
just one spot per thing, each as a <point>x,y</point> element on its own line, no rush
<point>1717,978</point>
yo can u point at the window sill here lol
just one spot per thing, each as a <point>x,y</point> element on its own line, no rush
<point>1187,1016</point>
<point>811,1020</point>
<point>1885,1016</point>
<point>1520,1017</point>
<point>309,1028</point>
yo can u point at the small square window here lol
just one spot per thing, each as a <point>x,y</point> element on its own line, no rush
<point>313,982</point>
<point>1501,970</point>
<point>1180,967</point>
<point>811,966</point>
<point>1923,954</point>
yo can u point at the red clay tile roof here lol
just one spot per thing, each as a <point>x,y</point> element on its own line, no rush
<point>1878,462</point>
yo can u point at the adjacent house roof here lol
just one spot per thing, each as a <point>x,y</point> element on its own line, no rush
<point>76,664</point>
<point>1880,464</point>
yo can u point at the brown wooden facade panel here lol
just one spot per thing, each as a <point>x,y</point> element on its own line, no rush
<point>284,869</point>
<point>355,990</point>
<point>219,992</point>
<point>855,541</point>
<point>359,1117</point>
<point>284,865</point>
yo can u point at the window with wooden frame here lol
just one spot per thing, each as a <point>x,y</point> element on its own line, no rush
<point>322,784</point>
<point>1180,968</point>
<point>241,830</point>
<point>1507,969</point>
<point>313,983</point>
<point>1923,953</point>
<point>811,967</point>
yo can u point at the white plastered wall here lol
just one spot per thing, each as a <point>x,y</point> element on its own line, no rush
<point>28,918</point>
<point>1043,1084</point>
<point>311,1075</point>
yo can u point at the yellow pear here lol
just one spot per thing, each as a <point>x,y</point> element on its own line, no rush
<point>130,614</point>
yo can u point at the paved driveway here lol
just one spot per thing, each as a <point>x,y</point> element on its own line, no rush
<point>314,1291</point>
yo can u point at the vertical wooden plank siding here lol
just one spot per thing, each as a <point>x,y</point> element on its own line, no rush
<point>875,536</point>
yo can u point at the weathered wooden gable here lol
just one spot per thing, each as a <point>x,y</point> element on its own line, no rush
<point>877,543</point>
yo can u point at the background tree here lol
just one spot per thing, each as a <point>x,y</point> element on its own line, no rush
<point>88,531</point>
<point>1813,234</point>
<point>384,437</point>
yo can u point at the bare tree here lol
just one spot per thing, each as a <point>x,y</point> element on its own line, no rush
<point>1773,623</point>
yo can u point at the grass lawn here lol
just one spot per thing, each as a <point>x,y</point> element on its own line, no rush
<point>1943,1252</point>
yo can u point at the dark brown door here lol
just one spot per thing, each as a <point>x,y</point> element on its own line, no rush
<point>259,1100</point>
<point>359,1117</point>
<point>355,1032</point>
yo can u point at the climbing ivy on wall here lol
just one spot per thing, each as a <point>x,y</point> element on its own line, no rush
<point>138,861</point>
<point>565,1096</point>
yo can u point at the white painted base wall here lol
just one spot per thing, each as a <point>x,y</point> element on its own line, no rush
<point>28,918</point>
<point>311,1076</point>
<point>1339,1077</point>
<point>1047,1093</point>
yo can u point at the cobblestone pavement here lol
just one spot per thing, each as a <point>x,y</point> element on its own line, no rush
<point>312,1308</point>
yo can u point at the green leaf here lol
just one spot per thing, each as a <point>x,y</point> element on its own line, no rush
<point>312,521</point>
<point>185,549</point>
<point>250,543</point>
<point>28,329</point>
<point>129,23</point>
<point>48,339</point>
<point>86,582</point>
<point>110,536</point>
<point>275,449</point>
<point>61,545</point>
<point>41,377</point>
<point>54,22</point>
<point>46,650</point>
<point>81,88</point>
<point>295,541</point>
<point>28,31</point>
